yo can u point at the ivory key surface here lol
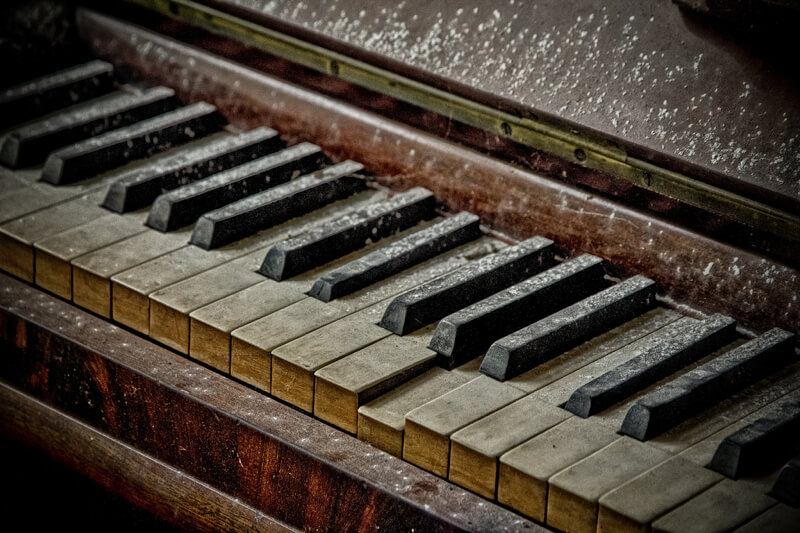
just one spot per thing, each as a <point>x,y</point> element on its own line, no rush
<point>54,254</point>
<point>525,470</point>
<point>381,422</point>
<point>633,506</point>
<point>475,449</point>
<point>429,427</point>
<point>572,504</point>
<point>343,386</point>
<point>91,273</point>
<point>722,507</point>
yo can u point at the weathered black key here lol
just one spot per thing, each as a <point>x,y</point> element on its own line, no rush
<point>351,232</point>
<point>277,205</point>
<point>656,363</point>
<point>708,384</point>
<point>143,139</point>
<point>184,205</point>
<point>787,487</point>
<point>449,293</point>
<point>763,445</point>
<point>51,92</point>
<point>397,256</point>
<point>468,333</point>
<point>138,187</point>
<point>554,334</point>
<point>31,144</point>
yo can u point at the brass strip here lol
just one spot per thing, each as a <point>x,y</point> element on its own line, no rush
<point>550,138</point>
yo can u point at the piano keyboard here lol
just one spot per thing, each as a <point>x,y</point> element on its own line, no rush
<point>531,379</point>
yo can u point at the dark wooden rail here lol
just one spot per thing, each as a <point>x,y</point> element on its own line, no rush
<point>117,406</point>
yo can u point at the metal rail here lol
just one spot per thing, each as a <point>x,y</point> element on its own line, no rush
<point>540,135</point>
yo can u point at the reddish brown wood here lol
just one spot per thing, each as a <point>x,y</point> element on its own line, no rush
<point>163,491</point>
<point>691,269</point>
<point>272,458</point>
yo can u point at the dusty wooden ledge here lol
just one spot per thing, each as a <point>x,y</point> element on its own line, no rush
<point>166,492</point>
<point>690,268</point>
<point>278,461</point>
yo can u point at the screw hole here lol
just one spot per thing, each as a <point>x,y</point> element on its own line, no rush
<point>649,178</point>
<point>334,68</point>
<point>506,127</point>
<point>580,155</point>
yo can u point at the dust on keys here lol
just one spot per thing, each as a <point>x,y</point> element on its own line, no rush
<point>528,377</point>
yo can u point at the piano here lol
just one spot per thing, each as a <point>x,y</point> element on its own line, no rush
<point>337,267</point>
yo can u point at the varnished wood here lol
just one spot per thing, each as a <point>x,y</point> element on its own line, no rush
<point>264,454</point>
<point>144,481</point>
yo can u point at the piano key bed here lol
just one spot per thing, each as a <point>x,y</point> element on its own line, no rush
<point>534,380</point>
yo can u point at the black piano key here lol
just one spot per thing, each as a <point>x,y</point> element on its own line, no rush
<point>467,285</point>
<point>275,206</point>
<point>787,487</point>
<point>397,256</point>
<point>657,362</point>
<point>186,204</point>
<point>329,241</point>
<point>554,334</point>
<point>31,144</point>
<point>139,187</point>
<point>92,156</point>
<point>761,446</point>
<point>708,384</point>
<point>54,91</point>
<point>468,333</point>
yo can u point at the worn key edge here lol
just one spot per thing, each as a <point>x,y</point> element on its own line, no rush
<point>787,485</point>
<point>502,361</point>
<point>284,261</point>
<point>667,357</point>
<point>526,257</point>
<point>463,335</point>
<point>212,229</point>
<point>85,80</point>
<point>753,449</point>
<point>137,189</point>
<point>184,205</point>
<point>65,164</point>
<point>391,259</point>
<point>655,413</point>
<point>30,144</point>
